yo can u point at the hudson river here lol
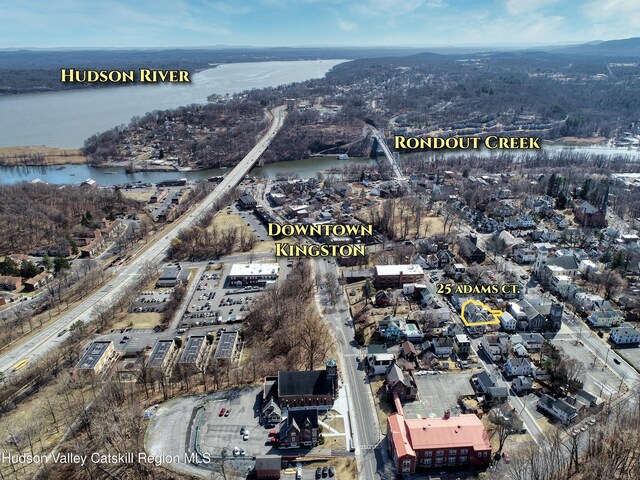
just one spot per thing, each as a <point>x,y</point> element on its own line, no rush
<point>66,119</point>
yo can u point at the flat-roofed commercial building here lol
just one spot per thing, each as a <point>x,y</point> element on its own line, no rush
<point>253,273</point>
<point>95,358</point>
<point>226,345</point>
<point>169,277</point>
<point>395,276</point>
<point>161,355</point>
<point>193,350</point>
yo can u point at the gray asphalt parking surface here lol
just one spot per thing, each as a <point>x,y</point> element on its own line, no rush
<point>437,393</point>
<point>223,432</point>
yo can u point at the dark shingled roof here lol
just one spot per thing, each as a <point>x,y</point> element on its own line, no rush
<point>312,382</point>
<point>272,462</point>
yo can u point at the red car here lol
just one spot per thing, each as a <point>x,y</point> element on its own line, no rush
<point>506,457</point>
<point>273,433</point>
<point>222,410</point>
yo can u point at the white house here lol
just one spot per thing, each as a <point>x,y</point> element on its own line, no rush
<point>557,408</point>
<point>443,346</point>
<point>625,334</point>
<point>524,255</point>
<point>605,318</point>
<point>493,347</point>
<point>508,322</point>
<point>588,301</point>
<point>531,341</point>
<point>561,284</point>
<point>518,367</point>
<point>379,363</point>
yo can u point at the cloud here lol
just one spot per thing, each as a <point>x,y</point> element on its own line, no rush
<point>518,7</point>
<point>614,13</point>
<point>346,26</point>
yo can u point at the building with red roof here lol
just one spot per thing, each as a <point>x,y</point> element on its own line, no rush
<point>422,443</point>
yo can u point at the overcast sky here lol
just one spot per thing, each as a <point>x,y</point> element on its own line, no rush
<point>167,23</point>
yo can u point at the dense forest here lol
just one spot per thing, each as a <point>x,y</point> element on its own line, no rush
<point>37,215</point>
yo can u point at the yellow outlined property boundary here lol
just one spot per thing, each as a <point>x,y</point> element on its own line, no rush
<point>495,313</point>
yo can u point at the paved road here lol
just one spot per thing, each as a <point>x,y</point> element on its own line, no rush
<point>364,419</point>
<point>388,153</point>
<point>153,254</point>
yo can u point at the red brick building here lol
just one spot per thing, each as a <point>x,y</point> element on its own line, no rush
<point>423,443</point>
<point>589,216</point>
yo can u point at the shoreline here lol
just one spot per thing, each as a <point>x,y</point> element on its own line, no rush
<point>40,156</point>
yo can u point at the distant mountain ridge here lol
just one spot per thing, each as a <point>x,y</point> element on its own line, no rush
<point>628,47</point>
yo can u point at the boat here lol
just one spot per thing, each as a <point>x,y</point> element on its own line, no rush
<point>343,156</point>
<point>109,173</point>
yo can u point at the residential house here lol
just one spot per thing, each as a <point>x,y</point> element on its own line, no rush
<point>379,363</point>
<point>493,347</point>
<point>10,283</point>
<point>489,385</point>
<point>605,318</point>
<point>299,429</point>
<point>395,329</point>
<point>461,345</point>
<point>558,409</point>
<point>518,367</point>
<point>443,346</point>
<point>400,384</point>
<point>587,399</point>
<point>469,250</point>
<point>625,334</point>
<point>522,385</point>
<point>39,281</point>
<point>507,322</point>
<point>408,351</point>
<point>524,255</point>
<point>531,341</point>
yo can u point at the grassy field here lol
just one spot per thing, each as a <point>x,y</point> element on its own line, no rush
<point>139,320</point>
<point>40,156</point>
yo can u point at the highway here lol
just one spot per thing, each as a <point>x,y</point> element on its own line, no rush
<point>153,254</point>
<point>363,417</point>
<point>388,153</point>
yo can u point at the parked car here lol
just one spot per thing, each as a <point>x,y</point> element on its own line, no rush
<point>228,412</point>
<point>506,457</point>
<point>222,412</point>
<point>236,451</point>
<point>318,472</point>
<point>332,471</point>
<point>325,472</point>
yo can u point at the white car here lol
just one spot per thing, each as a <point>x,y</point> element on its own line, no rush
<point>245,437</point>
<point>236,451</point>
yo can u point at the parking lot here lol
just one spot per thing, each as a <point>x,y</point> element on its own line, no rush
<point>152,300</point>
<point>213,303</point>
<point>220,432</point>
<point>437,393</point>
<point>251,221</point>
